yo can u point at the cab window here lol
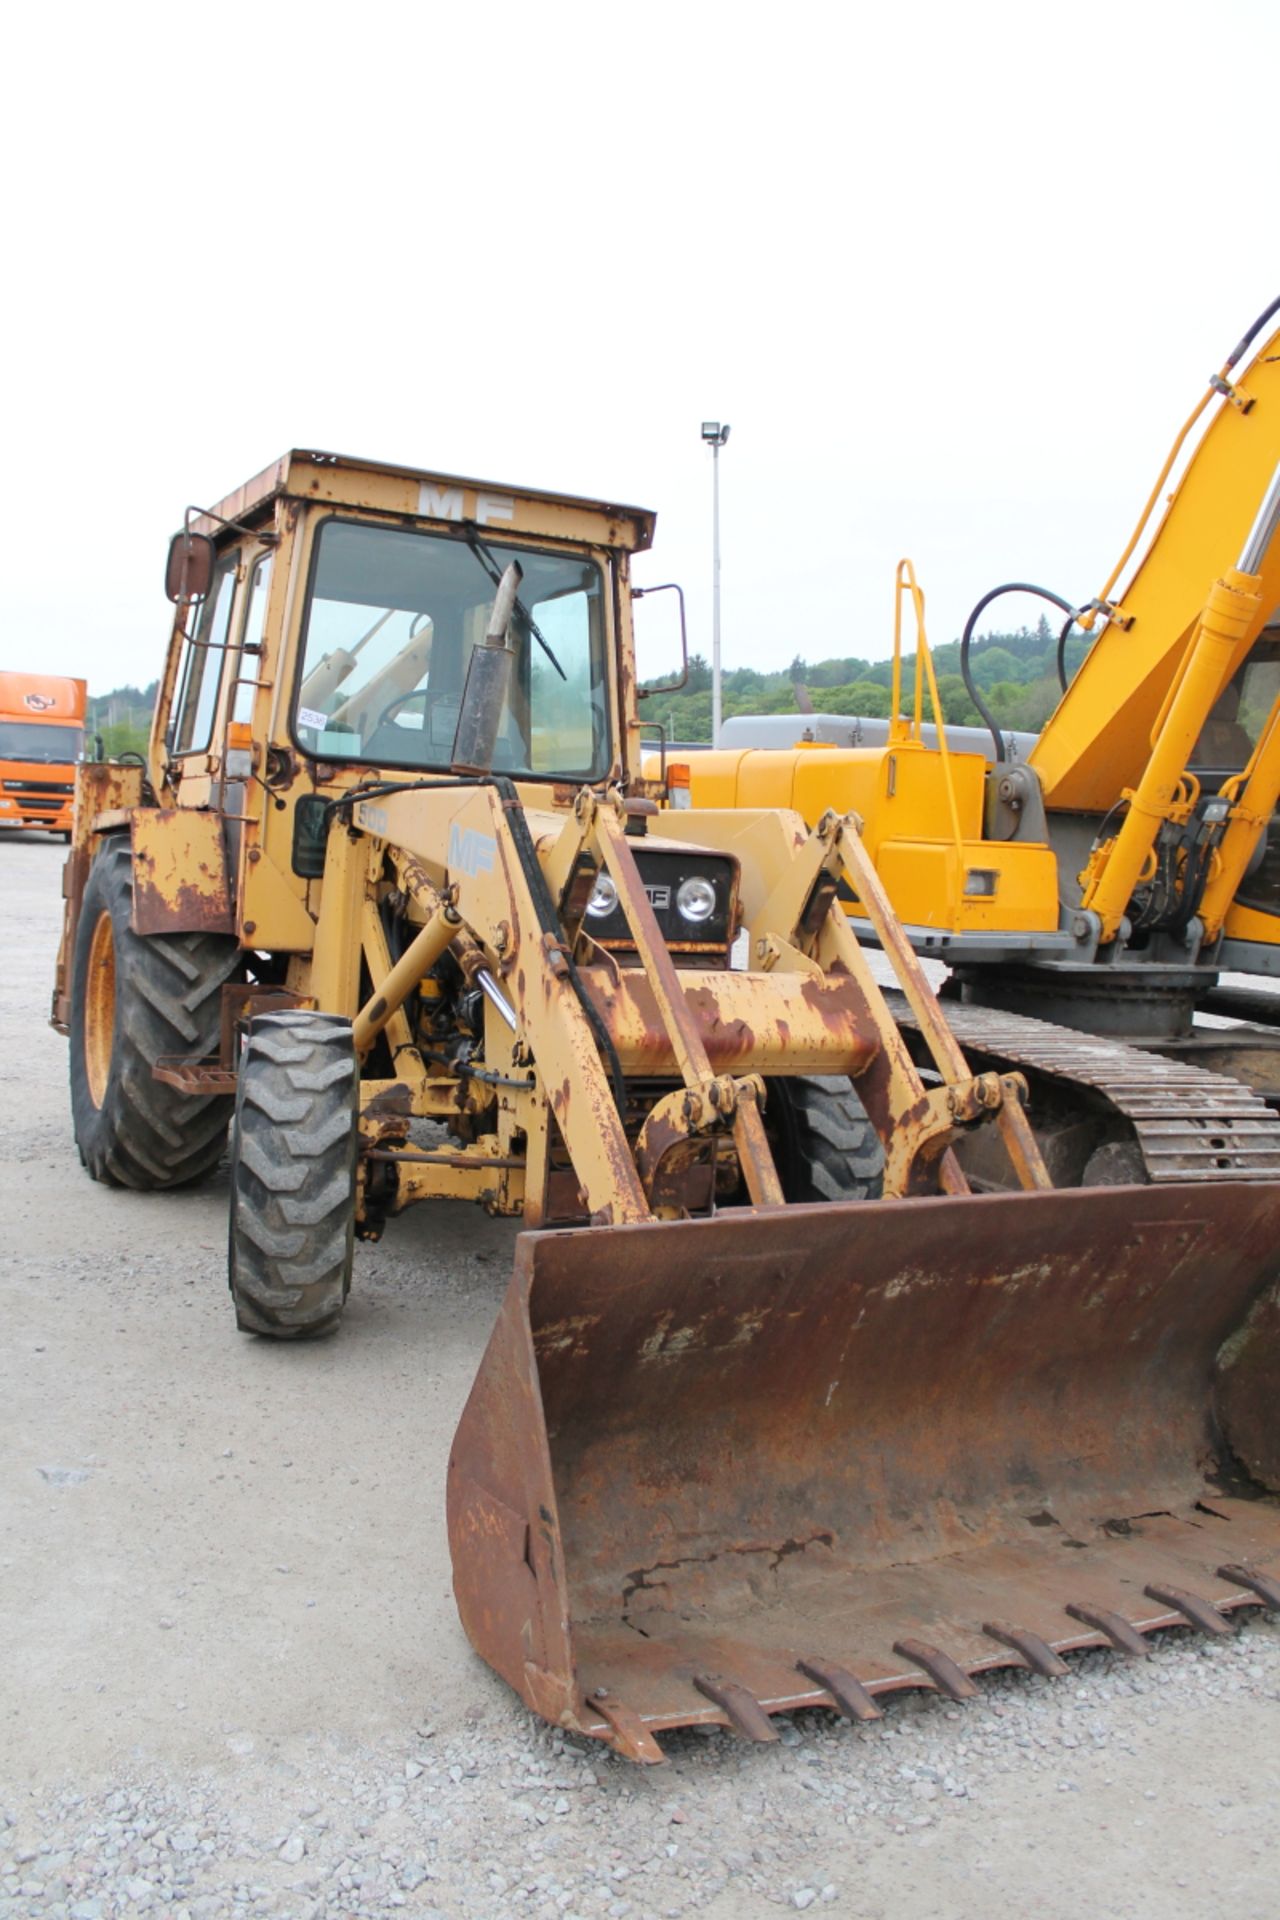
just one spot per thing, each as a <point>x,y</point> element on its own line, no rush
<point>248,664</point>
<point>391,619</point>
<point>1242,709</point>
<point>202,670</point>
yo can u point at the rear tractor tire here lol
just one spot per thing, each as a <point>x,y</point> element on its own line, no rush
<point>293,1175</point>
<point>135,998</point>
<point>826,1147</point>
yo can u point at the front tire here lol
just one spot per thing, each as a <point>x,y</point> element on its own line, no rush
<point>135,998</point>
<point>293,1175</point>
<point>826,1147</point>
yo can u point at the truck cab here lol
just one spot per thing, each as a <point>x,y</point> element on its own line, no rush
<point>41,740</point>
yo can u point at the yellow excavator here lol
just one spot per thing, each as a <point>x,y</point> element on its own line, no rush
<point>1089,897</point>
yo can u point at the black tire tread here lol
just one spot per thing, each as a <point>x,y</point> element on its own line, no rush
<point>293,1168</point>
<point>829,1148</point>
<point>148,1135</point>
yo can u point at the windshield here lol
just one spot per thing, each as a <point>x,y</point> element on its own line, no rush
<point>390,622</point>
<point>54,746</point>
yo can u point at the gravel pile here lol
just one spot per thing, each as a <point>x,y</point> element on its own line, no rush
<point>512,1818</point>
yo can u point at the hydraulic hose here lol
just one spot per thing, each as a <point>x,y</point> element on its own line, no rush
<point>1067,626</point>
<point>1248,339</point>
<point>1237,353</point>
<point>970,684</point>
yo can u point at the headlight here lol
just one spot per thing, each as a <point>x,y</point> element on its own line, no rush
<point>604,898</point>
<point>695,899</point>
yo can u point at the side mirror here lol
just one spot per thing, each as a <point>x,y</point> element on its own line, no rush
<point>668,586</point>
<point>188,571</point>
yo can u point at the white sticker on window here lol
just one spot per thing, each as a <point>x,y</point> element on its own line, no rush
<point>308,717</point>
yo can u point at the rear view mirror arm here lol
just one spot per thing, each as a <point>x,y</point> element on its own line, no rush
<point>668,586</point>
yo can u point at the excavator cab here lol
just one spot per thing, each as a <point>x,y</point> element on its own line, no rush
<point>1238,717</point>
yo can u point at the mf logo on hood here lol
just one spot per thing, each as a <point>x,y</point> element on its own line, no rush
<point>38,702</point>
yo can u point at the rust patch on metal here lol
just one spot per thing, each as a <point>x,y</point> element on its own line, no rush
<point>242,1003</point>
<point>1037,1653</point>
<point>180,882</point>
<point>1200,1612</point>
<point>850,1696</point>
<point>104,794</point>
<point>1265,1587</point>
<point>799,1025</point>
<point>630,1735</point>
<point>195,1077</point>
<point>391,1102</point>
<point>947,1676</point>
<point>867,1429</point>
<point>1109,1625</point>
<point>1251,1389</point>
<point>740,1707</point>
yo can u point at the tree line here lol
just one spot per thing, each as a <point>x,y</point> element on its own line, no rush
<point>122,718</point>
<point>1016,673</point>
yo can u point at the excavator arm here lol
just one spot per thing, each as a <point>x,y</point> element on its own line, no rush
<point>1099,740</point>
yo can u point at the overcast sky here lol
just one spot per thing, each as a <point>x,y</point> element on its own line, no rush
<point>954,273</point>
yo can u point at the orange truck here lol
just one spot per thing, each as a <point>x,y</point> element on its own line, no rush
<point>41,739</point>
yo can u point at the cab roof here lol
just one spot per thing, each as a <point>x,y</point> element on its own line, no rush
<point>342,480</point>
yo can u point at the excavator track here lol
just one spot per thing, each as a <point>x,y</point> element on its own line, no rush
<point>1189,1124</point>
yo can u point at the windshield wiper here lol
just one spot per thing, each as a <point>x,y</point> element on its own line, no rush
<point>494,572</point>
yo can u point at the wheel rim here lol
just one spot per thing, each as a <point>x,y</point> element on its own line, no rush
<point>100,1008</point>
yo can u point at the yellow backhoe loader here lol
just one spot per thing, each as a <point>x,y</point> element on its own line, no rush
<point>776,1412</point>
<point>1088,897</point>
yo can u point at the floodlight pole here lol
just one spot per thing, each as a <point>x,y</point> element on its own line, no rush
<point>715,435</point>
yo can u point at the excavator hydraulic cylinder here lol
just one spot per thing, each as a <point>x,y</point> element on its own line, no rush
<point>1117,866</point>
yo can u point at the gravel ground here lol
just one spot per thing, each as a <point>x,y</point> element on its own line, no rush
<point>233,1680</point>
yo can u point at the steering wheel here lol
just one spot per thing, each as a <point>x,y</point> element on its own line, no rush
<point>401,700</point>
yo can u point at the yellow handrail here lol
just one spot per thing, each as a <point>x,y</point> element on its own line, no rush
<point>905,582</point>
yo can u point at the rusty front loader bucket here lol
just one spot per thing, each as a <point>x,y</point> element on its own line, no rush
<point>713,1470</point>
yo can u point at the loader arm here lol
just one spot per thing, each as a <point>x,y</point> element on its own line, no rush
<point>494,909</point>
<point>501,900</point>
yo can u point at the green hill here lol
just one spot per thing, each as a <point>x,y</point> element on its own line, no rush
<point>122,717</point>
<point>1015,672</point>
